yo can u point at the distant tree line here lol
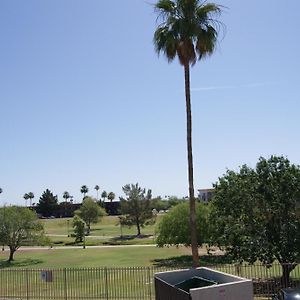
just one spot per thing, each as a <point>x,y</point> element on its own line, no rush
<point>48,204</point>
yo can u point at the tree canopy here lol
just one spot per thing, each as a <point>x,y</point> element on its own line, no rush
<point>90,212</point>
<point>19,226</point>
<point>66,196</point>
<point>174,228</point>
<point>256,213</point>
<point>84,190</point>
<point>111,196</point>
<point>136,207</point>
<point>78,225</point>
<point>48,203</point>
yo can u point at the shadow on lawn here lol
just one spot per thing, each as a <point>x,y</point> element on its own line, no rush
<point>28,262</point>
<point>185,261</point>
<point>125,239</point>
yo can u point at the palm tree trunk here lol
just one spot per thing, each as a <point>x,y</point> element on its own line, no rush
<point>194,243</point>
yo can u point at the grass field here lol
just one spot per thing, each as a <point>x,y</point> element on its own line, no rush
<point>108,231</point>
<point>93,257</point>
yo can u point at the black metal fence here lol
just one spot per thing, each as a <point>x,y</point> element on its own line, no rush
<point>120,283</point>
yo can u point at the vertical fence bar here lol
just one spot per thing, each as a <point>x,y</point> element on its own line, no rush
<point>65,283</point>
<point>27,284</point>
<point>149,284</point>
<point>106,282</point>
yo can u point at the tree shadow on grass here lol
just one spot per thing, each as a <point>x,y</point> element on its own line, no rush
<point>20,263</point>
<point>125,239</point>
<point>97,229</point>
<point>185,261</point>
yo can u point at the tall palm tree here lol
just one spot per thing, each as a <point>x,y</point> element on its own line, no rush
<point>189,31</point>
<point>26,197</point>
<point>111,196</point>
<point>30,197</point>
<point>104,195</point>
<point>66,196</point>
<point>97,188</point>
<point>84,190</point>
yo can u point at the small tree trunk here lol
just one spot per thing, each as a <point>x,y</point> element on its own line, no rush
<point>88,228</point>
<point>286,270</point>
<point>11,254</point>
<point>138,227</point>
<point>194,243</point>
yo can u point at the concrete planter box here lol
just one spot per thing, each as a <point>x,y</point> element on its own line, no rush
<point>201,284</point>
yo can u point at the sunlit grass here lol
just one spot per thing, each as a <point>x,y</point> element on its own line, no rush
<point>107,231</point>
<point>91,257</point>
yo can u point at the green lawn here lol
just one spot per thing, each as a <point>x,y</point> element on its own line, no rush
<point>93,257</point>
<point>105,232</point>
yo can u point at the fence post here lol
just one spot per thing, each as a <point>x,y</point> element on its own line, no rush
<point>27,285</point>
<point>150,284</point>
<point>106,282</point>
<point>65,283</point>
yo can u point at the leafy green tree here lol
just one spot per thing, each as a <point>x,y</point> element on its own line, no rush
<point>111,196</point>
<point>256,214</point>
<point>48,204</point>
<point>104,195</point>
<point>90,212</point>
<point>174,227</point>
<point>188,31</point>
<point>159,204</point>
<point>19,226</point>
<point>78,225</point>
<point>173,201</point>
<point>136,208</point>
<point>84,190</point>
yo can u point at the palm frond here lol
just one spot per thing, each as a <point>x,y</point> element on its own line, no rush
<point>165,8</point>
<point>189,29</point>
<point>164,41</point>
<point>205,12</point>
<point>206,41</point>
<point>165,5</point>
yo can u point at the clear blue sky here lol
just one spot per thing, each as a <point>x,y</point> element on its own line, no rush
<point>86,100</point>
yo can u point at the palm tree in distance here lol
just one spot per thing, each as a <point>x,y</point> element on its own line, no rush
<point>111,196</point>
<point>30,197</point>
<point>97,188</point>
<point>66,196</point>
<point>189,31</point>
<point>104,195</point>
<point>84,190</point>
<point>26,197</point>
